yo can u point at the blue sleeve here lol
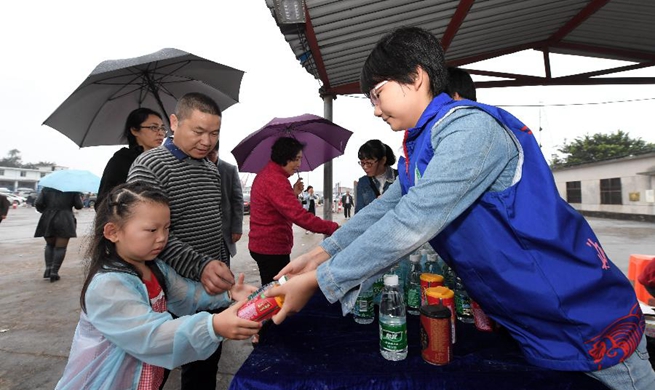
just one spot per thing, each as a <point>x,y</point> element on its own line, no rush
<point>358,224</point>
<point>118,307</point>
<point>471,150</point>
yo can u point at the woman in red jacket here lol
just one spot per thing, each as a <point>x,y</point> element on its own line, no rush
<point>274,208</point>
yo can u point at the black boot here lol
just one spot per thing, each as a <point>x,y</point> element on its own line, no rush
<point>57,260</point>
<point>49,253</point>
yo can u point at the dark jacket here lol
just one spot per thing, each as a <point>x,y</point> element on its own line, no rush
<point>232,203</point>
<point>57,219</point>
<point>116,171</point>
<point>343,200</point>
<point>4,206</point>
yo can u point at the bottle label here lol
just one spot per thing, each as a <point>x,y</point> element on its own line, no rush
<point>393,337</point>
<point>463,305</point>
<point>414,297</point>
<point>364,306</point>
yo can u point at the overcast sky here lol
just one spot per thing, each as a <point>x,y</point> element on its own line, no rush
<point>51,47</point>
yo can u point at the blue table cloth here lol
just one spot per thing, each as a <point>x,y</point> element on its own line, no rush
<point>318,348</point>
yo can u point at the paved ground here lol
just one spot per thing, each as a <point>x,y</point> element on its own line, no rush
<point>38,318</point>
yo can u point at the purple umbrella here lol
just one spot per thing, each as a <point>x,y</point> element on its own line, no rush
<point>324,141</point>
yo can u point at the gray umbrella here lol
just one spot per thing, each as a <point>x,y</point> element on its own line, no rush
<point>95,113</point>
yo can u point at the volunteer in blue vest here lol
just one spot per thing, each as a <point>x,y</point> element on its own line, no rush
<point>474,183</point>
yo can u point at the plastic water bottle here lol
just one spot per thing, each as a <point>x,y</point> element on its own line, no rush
<point>448,276</point>
<point>424,251</point>
<point>414,285</point>
<point>393,323</point>
<point>432,265</point>
<point>377,288</point>
<point>363,312</point>
<point>463,303</point>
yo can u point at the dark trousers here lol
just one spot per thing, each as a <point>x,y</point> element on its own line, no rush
<point>201,374</point>
<point>269,265</point>
<point>346,210</point>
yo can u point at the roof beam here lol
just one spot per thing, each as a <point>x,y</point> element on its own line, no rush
<point>455,23</point>
<point>611,70</point>
<point>310,34</point>
<point>567,81</point>
<point>628,55</point>
<point>590,9</point>
<point>497,53</point>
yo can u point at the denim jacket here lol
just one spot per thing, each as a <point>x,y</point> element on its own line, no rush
<point>480,157</point>
<point>508,235</point>
<point>366,195</point>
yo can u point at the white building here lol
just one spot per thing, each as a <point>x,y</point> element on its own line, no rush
<point>15,178</point>
<point>621,188</point>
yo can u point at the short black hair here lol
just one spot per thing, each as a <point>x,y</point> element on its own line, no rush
<point>196,101</point>
<point>375,149</point>
<point>398,54</point>
<point>285,149</point>
<point>460,81</point>
<point>134,121</point>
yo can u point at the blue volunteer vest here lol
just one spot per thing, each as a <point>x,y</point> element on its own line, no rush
<point>531,261</point>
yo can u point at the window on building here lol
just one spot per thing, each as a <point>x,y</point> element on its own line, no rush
<point>2,172</point>
<point>610,191</point>
<point>573,192</point>
<point>43,174</point>
<point>23,174</point>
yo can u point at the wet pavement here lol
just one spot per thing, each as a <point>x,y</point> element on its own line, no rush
<point>38,318</point>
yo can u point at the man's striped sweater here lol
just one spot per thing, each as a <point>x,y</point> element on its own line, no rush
<point>194,191</point>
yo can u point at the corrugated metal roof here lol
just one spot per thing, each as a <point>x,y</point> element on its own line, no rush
<point>338,35</point>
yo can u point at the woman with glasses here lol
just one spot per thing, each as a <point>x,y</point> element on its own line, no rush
<point>144,130</point>
<point>474,183</point>
<point>376,159</point>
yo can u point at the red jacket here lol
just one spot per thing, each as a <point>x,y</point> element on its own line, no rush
<point>274,208</point>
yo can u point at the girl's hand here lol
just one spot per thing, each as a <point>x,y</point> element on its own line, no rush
<point>241,291</point>
<point>229,326</point>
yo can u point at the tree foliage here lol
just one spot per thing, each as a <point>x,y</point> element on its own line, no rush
<point>14,160</point>
<point>599,147</point>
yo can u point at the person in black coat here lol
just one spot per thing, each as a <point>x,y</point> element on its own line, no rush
<point>57,225</point>
<point>4,207</point>
<point>144,130</point>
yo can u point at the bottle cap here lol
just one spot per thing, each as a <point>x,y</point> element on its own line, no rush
<point>390,280</point>
<point>414,258</point>
<point>424,251</point>
<point>432,257</point>
<point>282,280</point>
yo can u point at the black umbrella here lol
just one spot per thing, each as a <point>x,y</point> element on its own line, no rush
<point>96,112</point>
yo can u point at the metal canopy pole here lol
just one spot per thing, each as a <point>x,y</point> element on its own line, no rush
<point>327,167</point>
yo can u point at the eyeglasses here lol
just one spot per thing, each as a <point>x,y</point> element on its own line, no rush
<point>373,94</point>
<point>366,164</point>
<point>154,128</point>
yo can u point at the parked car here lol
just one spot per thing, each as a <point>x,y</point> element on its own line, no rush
<point>246,204</point>
<point>14,199</point>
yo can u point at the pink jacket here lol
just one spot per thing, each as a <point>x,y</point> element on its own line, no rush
<point>274,208</point>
